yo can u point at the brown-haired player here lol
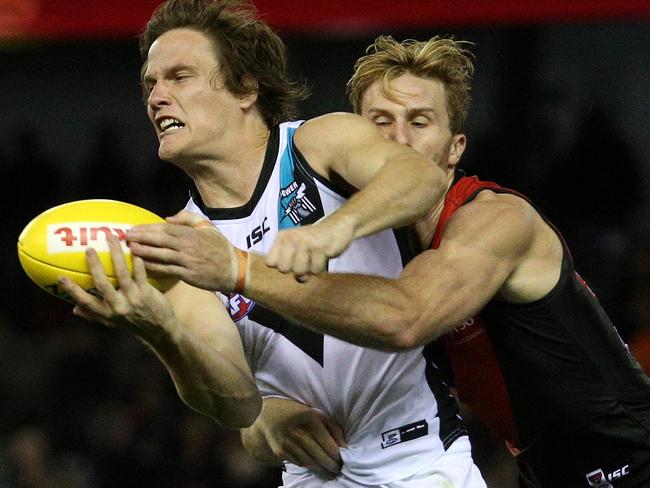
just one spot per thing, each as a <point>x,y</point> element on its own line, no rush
<point>218,97</point>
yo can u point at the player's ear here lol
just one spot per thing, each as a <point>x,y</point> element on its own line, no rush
<point>251,90</point>
<point>456,149</point>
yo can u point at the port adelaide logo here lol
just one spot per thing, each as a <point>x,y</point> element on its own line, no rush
<point>297,204</point>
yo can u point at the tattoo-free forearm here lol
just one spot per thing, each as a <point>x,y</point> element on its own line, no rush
<point>366,310</point>
<point>402,191</point>
<point>207,381</point>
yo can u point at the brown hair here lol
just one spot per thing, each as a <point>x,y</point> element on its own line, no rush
<point>439,58</point>
<point>245,46</point>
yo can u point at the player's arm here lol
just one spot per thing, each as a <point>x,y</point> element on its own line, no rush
<point>483,247</point>
<point>205,358</point>
<point>482,244</point>
<point>187,328</point>
<point>290,431</point>
<point>397,186</point>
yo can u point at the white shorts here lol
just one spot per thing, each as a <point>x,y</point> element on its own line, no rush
<point>454,469</point>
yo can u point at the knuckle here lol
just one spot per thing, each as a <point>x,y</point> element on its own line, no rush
<point>83,301</point>
<point>281,452</point>
<point>291,436</point>
<point>117,312</point>
<point>121,309</point>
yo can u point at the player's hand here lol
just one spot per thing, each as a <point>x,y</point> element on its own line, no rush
<point>307,250</point>
<point>200,256</point>
<point>302,436</point>
<point>135,305</point>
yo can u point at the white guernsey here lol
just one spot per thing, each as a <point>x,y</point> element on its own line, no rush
<point>396,413</point>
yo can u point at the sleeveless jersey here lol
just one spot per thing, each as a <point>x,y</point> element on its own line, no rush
<point>476,371</point>
<point>396,412</point>
<point>556,371</point>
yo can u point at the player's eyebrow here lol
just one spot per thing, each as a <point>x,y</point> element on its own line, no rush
<point>410,112</point>
<point>167,72</point>
<point>421,110</point>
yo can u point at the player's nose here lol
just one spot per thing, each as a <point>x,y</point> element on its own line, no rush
<point>159,96</point>
<point>400,133</point>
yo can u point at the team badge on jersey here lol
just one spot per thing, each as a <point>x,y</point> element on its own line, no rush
<point>296,205</point>
<point>239,306</point>
<point>598,478</point>
<point>299,201</point>
<point>299,207</point>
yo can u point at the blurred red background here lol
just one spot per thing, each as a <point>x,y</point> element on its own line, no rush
<point>123,18</point>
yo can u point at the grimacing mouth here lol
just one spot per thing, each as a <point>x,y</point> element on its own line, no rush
<point>167,124</point>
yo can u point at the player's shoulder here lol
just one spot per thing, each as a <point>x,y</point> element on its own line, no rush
<point>496,214</point>
<point>334,126</point>
<point>508,205</point>
<point>335,118</point>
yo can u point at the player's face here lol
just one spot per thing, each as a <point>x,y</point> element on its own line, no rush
<point>417,117</point>
<point>189,109</point>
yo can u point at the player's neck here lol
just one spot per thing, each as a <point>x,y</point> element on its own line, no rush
<point>229,180</point>
<point>426,226</point>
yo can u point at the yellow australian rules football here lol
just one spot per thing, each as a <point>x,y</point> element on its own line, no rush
<point>53,244</point>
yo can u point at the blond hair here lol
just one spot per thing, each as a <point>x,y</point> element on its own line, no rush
<point>440,58</point>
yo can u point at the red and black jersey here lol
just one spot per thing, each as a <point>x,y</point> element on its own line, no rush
<point>553,377</point>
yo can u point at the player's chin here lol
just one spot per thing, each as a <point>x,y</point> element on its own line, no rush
<point>165,154</point>
<point>169,150</point>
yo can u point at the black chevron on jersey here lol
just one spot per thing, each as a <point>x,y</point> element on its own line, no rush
<point>310,342</point>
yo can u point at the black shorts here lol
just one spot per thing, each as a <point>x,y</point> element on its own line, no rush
<point>611,452</point>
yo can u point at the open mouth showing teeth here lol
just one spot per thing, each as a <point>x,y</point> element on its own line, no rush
<point>167,125</point>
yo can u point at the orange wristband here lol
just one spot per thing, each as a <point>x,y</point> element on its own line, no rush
<point>240,256</point>
<point>242,270</point>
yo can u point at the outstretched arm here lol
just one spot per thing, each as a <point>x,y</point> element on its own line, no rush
<point>482,249</point>
<point>495,246</point>
<point>397,186</point>
<point>188,329</point>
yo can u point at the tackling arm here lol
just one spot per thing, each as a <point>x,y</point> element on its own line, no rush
<point>482,246</point>
<point>397,186</point>
<point>482,249</point>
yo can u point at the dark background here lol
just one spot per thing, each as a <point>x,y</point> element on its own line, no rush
<point>560,112</point>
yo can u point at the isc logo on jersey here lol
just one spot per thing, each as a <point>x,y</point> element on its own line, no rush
<point>75,237</point>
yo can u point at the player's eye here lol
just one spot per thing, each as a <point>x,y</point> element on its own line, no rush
<point>381,121</point>
<point>420,123</point>
<point>181,77</point>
